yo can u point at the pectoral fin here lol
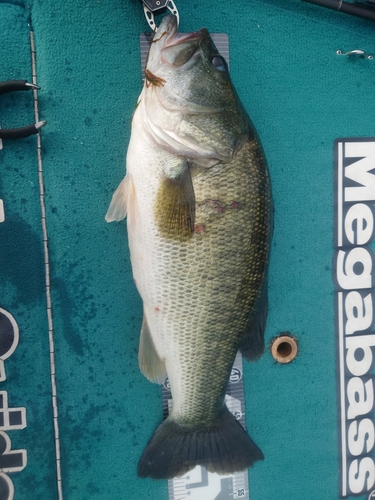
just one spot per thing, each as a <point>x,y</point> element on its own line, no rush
<point>150,364</point>
<point>121,200</point>
<point>174,207</point>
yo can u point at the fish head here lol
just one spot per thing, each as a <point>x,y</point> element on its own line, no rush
<point>188,65</point>
<point>192,106</point>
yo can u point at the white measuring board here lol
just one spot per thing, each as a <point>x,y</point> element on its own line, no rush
<point>199,484</point>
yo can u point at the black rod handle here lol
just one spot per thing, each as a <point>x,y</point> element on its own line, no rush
<point>346,8</point>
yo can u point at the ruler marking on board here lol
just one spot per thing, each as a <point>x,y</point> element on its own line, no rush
<point>211,486</point>
<point>47,277</point>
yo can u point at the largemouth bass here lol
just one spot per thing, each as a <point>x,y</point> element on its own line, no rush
<point>198,205</point>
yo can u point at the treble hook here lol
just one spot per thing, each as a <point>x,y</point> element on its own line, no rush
<point>151,6</point>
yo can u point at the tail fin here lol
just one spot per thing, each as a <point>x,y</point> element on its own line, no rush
<point>173,450</point>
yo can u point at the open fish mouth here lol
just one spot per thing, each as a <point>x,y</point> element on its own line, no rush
<point>168,32</point>
<point>175,48</point>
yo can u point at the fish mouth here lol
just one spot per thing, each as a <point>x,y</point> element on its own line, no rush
<point>178,49</point>
<point>169,31</point>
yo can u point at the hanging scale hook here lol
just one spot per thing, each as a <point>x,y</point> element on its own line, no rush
<point>151,6</point>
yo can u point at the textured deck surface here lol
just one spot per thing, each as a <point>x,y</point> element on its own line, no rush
<point>301,96</point>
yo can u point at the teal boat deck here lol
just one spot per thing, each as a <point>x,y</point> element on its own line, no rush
<point>301,96</point>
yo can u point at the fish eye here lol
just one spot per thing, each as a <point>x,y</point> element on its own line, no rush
<point>219,63</point>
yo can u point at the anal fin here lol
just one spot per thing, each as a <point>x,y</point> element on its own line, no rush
<point>150,364</point>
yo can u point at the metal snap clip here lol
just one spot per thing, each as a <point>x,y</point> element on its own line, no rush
<point>151,6</point>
